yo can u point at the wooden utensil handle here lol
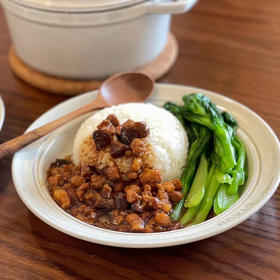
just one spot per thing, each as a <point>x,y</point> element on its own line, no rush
<point>15,144</point>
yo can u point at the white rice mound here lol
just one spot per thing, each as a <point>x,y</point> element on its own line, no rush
<point>168,139</point>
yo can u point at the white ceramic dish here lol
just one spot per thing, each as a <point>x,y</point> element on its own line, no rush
<point>2,112</point>
<point>30,164</point>
<point>90,38</point>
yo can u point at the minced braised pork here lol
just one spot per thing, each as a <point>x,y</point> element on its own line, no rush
<point>135,202</point>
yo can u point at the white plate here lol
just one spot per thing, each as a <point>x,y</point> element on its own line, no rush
<point>2,112</point>
<point>30,164</point>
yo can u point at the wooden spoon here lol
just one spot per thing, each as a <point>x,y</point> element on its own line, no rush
<point>120,88</point>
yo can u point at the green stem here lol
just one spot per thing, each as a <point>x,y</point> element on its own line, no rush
<point>198,186</point>
<point>208,198</point>
<point>189,214</point>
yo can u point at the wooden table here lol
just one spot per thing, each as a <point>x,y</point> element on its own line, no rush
<point>227,46</point>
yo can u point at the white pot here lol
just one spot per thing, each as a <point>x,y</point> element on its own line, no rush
<point>88,39</point>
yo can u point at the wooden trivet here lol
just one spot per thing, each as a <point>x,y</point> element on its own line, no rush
<point>155,69</point>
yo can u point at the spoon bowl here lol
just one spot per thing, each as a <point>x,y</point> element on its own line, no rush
<point>118,89</point>
<point>126,87</point>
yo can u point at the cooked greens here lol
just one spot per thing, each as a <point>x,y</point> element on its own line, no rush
<point>215,166</point>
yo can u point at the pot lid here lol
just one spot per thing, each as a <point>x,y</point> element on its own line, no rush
<point>78,5</point>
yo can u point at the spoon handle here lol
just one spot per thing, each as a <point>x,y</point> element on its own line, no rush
<point>15,144</point>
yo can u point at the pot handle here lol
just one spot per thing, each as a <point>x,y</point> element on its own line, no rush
<point>171,7</point>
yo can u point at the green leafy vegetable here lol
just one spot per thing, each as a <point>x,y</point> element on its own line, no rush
<point>198,186</point>
<point>198,108</point>
<point>208,130</point>
<point>238,173</point>
<point>224,200</point>
<point>196,149</point>
<point>189,214</point>
<point>214,180</point>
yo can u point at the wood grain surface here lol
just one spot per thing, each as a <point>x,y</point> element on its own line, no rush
<point>231,47</point>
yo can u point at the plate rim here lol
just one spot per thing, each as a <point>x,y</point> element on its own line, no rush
<point>166,244</point>
<point>2,112</point>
